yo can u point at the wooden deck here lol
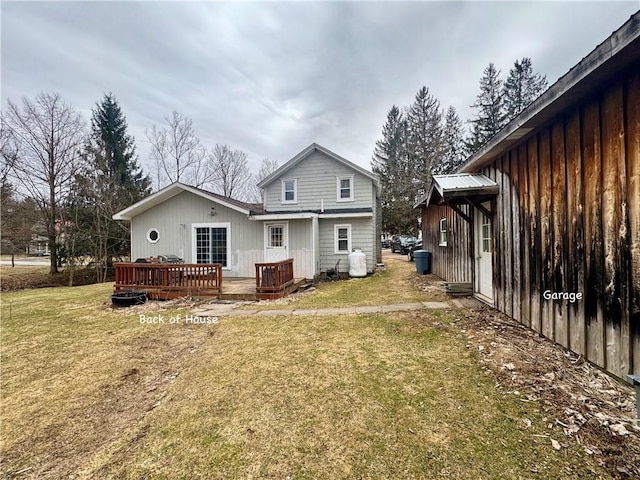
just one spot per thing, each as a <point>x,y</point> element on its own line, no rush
<point>245,288</point>
<point>163,281</point>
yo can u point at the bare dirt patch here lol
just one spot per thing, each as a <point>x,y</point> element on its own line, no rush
<point>581,403</point>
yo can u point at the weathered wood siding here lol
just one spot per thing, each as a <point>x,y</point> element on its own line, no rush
<point>451,262</point>
<point>316,177</point>
<point>568,220</point>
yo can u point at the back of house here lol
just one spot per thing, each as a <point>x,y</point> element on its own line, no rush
<point>318,208</point>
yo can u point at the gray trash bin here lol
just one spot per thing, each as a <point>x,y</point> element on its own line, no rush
<point>423,261</point>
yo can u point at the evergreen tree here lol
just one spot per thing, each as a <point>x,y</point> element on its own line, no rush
<point>112,152</point>
<point>111,181</point>
<point>424,141</point>
<point>489,106</point>
<point>390,163</point>
<point>522,87</point>
<point>453,152</point>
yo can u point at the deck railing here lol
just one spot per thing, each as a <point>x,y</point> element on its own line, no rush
<point>273,278</point>
<point>169,280</point>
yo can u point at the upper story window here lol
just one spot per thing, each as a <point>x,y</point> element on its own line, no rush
<point>290,191</point>
<point>443,232</point>
<point>345,189</point>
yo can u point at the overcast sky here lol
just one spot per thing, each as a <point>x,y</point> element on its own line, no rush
<point>271,78</point>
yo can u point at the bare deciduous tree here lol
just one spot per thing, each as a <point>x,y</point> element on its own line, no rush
<point>50,133</point>
<point>177,153</point>
<point>230,173</point>
<point>9,149</point>
<point>267,167</point>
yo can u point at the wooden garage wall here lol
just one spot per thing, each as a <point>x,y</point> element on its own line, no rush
<point>451,263</point>
<point>568,220</point>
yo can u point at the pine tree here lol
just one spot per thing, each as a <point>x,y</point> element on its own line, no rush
<point>111,181</point>
<point>424,142</point>
<point>453,152</point>
<point>390,163</point>
<point>522,87</point>
<point>489,106</point>
<point>113,152</point>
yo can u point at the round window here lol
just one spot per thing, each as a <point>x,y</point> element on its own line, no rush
<point>152,235</point>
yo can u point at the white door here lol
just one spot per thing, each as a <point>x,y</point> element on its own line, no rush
<point>484,271</point>
<point>276,242</point>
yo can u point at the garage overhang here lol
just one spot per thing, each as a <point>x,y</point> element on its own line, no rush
<point>460,189</point>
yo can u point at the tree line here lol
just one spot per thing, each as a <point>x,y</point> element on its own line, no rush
<point>425,139</point>
<point>63,180</point>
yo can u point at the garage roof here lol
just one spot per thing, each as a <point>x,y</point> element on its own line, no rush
<point>458,186</point>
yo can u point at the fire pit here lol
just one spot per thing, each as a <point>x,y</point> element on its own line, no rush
<point>127,299</point>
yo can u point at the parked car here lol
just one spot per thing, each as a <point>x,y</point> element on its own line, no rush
<point>386,243</point>
<point>414,247</point>
<point>402,243</point>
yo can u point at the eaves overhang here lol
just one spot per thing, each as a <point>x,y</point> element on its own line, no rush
<point>458,188</point>
<point>608,60</point>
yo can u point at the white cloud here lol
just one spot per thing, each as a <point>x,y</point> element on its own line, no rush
<point>270,78</point>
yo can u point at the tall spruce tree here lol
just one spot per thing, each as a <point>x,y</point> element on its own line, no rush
<point>111,181</point>
<point>490,116</point>
<point>424,141</point>
<point>390,162</point>
<point>522,87</point>
<point>452,144</point>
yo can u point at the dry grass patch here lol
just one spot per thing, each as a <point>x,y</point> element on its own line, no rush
<point>396,284</point>
<point>77,374</point>
<point>338,397</point>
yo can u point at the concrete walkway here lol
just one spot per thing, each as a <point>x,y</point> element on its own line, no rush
<point>229,309</point>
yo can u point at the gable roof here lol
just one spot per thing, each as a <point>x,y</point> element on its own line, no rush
<point>174,189</point>
<point>607,60</point>
<point>308,151</point>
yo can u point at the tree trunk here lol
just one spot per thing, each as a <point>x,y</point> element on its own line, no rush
<point>53,260</point>
<point>13,263</point>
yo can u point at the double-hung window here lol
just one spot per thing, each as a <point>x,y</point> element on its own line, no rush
<point>290,191</point>
<point>211,243</point>
<point>443,232</point>
<point>342,234</point>
<point>344,189</point>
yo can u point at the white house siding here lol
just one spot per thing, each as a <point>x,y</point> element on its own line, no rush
<point>174,219</point>
<point>301,248</point>
<point>317,180</point>
<point>362,237</point>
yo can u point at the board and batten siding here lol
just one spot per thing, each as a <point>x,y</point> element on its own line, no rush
<point>567,219</point>
<point>316,178</point>
<point>451,262</point>
<point>174,219</point>
<point>362,237</point>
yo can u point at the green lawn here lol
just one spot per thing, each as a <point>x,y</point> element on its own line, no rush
<point>92,392</point>
<point>393,285</point>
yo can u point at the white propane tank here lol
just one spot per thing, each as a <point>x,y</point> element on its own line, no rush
<point>357,264</point>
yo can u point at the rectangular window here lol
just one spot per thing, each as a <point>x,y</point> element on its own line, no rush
<point>443,232</point>
<point>345,189</point>
<point>211,244</point>
<point>289,191</point>
<point>342,239</point>
<point>276,235</point>
<point>486,234</point>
